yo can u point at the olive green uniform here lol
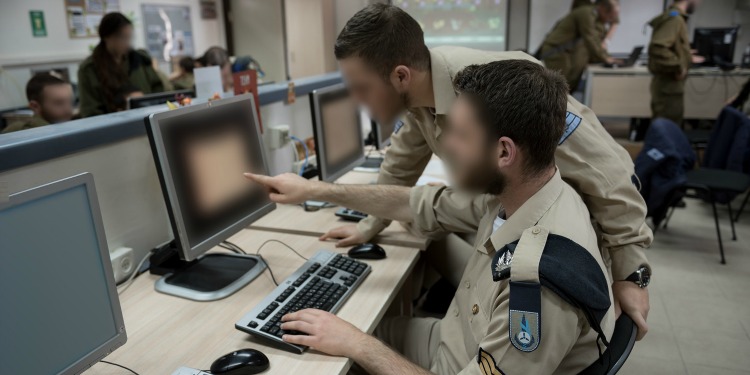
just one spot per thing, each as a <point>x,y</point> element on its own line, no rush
<point>33,122</point>
<point>588,157</point>
<point>668,56</point>
<point>184,82</point>
<point>140,72</point>
<point>576,30</point>
<point>473,337</point>
<point>580,3</point>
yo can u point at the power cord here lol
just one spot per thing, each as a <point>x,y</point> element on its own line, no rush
<point>233,247</point>
<point>120,366</point>
<point>137,269</point>
<point>307,154</point>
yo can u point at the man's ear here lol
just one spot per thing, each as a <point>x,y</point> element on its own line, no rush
<point>401,78</point>
<point>507,152</point>
<point>35,106</point>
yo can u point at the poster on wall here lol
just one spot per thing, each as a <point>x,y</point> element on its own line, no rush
<point>83,16</point>
<point>38,27</point>
<point>208,9</point>
<point>168,30</point>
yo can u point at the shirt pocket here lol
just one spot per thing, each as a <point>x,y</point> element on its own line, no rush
<point>483,293</point>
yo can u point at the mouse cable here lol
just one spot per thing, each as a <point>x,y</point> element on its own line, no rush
<point>120,366</point>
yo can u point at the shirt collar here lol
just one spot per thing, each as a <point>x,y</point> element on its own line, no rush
<point>442,83</point>
<point>528,214</point>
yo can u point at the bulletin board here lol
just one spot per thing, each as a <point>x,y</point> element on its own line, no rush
<point>168,30</point>
<point>83,16</point>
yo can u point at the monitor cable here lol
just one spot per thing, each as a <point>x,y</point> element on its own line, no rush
<point>135,273</point>
<point>233,247</point>
<point>120,366</point>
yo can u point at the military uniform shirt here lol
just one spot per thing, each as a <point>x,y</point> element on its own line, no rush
<point>588,157</point>
<point>33,122</point>
<point>478,314</point>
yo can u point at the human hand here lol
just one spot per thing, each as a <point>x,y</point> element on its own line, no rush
<point>285,188</point>
<point>633,300</point>
<point>324,332</point>
<point>681,75</point>
<point>347,235</point>
<point>698,59</point>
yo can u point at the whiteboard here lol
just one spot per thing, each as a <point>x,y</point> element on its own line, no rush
<point>634,14</point>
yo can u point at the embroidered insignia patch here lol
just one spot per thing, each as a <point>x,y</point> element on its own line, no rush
<point>502,261</point>
<point>524,330</point>
<point>398,126</point>
<point>571,124</point>
<point>487,364</point>
<point>655,154</point>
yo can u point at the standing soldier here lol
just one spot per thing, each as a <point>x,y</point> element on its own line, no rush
<point>669,58</point>
<point>579,29</point>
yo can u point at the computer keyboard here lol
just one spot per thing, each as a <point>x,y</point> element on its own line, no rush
<point>324,282</point>
<point>351,215</point>
<point>372,163</point>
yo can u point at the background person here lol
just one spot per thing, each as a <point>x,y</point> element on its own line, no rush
<point>51,100</point>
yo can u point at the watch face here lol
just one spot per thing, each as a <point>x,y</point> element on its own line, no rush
<point>645,277</point>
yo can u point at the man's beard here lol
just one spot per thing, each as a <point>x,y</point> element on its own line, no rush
<point>400,105</point>
<point>485,178</point>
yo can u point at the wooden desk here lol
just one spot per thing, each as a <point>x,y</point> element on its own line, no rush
<point>166,332</point>
<point>295,220</point>
<point>625,92</point>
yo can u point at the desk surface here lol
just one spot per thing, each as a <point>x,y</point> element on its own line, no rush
<point>295,220</point>
<point>643,70</point>
<point>166,332</point>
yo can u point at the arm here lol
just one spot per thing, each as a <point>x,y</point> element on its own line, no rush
<point>90,100</point>
<point>386,201</point>
<point>591,38</point>
<point>662,57</point>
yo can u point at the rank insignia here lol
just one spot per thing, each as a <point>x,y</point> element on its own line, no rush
<point>487,364</point>
<point>571,124</point>
<point>502,261</point>
<point>524,330</point>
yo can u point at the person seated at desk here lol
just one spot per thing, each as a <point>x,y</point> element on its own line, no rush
<point>504,128</point>
<point>217,56</point>
<point>112,65</point>
<point>183,78</point>
<point>561,49</point>
<point>51,100</point>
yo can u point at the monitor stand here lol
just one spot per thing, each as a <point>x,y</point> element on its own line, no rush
<point>210,277</point>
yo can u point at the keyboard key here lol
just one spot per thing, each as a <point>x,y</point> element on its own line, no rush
<point>253,324</point>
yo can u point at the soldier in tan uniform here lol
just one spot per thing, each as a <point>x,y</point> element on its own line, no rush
<point>409,76</point>
<point>51,100</point>
<point>578,31</point>
<point>669,58</point>
<point>505,317</point>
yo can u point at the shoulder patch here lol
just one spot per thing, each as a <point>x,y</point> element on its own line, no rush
<point>674,13</point>
<point>398,126</point>
<point>571,124</point>
<point>487,364</point>
<point>524,316</point>
<point>655,154</point>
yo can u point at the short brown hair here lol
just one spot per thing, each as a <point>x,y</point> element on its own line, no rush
<point>520,100</point>
<point>35,86</point>
<point>385,36</point>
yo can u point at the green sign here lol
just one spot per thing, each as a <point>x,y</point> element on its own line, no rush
<point>38,28</point>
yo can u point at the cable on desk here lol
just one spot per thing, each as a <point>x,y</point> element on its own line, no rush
<point>120,366</point>
<point>137,269</point>
<point>257,253</point>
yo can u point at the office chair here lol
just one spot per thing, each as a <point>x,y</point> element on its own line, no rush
<point>620,346</point>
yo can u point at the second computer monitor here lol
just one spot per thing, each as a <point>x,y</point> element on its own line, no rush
<point>201,153</point>
<point>383,134</point>
<point>338,134</point>
<point>716,44</point>
<point>159,98</point>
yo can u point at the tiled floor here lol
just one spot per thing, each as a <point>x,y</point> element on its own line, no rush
<point>700,309</point>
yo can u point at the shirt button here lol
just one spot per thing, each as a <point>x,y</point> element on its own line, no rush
<point>455,311</point>
<point>536,230</point>
<point>475,309</point>
<point>468,284</point>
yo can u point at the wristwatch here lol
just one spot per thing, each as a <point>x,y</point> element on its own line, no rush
<point>641,277</point>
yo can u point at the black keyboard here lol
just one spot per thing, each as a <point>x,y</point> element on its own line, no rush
<point>351,215</point>
<point>324,282</point>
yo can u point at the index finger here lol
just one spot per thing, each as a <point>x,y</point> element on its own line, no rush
<point>261,179</point>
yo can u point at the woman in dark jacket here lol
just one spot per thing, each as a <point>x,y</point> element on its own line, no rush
<point>114,65</point>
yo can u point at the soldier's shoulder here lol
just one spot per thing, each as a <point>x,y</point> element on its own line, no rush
<point>87,62</point>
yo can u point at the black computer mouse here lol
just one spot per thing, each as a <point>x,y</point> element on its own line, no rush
<point>240,362</point>
<point>367,251</point>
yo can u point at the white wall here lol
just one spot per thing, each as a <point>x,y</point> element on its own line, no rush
<point>20,50</point>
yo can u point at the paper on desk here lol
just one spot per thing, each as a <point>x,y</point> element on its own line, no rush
<point>207,82</point>
<point>435,167</point>
<point>425,180</point>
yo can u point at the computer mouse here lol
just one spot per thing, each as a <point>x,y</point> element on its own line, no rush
<point>240,362</point>
<point>367,251</point>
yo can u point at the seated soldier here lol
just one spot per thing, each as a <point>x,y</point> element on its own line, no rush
<point>51,100</point>
<point>535,295</point>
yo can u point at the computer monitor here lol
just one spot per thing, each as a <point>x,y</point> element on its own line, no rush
<point>201,153</point>
<point>338,135</point>
<point>60,313</point>
<point>159,98</point>
<point>716,44</point>
<point>383,134</point>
